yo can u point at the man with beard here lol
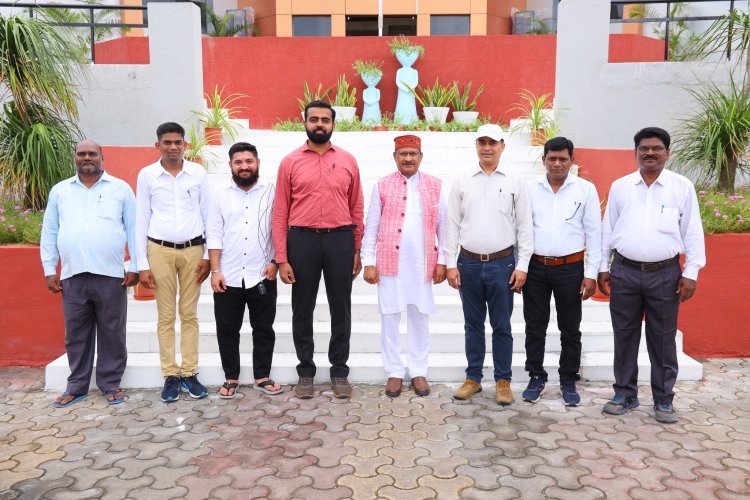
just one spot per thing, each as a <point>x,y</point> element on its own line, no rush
<point>652,217</point>
<point>403,255</point>
<point>88,220</point>
<point>243,271</point>
<point>173,200</point>
<point>317,227</point>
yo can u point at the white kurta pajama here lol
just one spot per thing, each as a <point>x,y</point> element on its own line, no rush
<point>408,291</point>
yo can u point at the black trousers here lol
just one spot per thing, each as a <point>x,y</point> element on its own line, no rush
<point>653,293</point>
<point>95,312</point>
<point>229,309</point>
<point>331,254</point>
<point>564,282</point>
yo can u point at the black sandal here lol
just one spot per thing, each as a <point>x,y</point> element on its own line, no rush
<point>268,383</point>
<point>229,386</point>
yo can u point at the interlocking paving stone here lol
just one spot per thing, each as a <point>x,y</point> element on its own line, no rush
<point>372,446</point>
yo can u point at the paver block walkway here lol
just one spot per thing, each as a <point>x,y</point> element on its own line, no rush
<point>372,446</point>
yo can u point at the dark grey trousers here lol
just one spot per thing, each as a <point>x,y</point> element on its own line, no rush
<point>633,294</point>
<point>95,311</point>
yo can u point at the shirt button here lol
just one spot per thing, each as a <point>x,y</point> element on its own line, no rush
<point>396,247</point>
<point>402,214</point>
<point>399,230</point>
<point>404,197</point>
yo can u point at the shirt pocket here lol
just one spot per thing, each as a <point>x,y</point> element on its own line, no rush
<point>669,220</point>
<point>108,209</point>
<point>574,214</point>
<point>505,201</point>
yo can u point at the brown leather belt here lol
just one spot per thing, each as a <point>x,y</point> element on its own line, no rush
<point>558,261</point>
<point>486,257</point>
<point>647,266</point>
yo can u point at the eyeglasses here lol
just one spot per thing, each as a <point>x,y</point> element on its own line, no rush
<point>647,149</point>
<point>406,154</point>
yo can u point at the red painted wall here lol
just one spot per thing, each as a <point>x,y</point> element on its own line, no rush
<point>715,321</point>
<point>635,48</point>
<point>126,50</point>
<point>126,161</point>
<point>271,70</point>
<point>604,166</point>
<point>31,316</point>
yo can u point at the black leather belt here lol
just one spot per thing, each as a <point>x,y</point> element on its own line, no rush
<point>486,257</point>
<point>648,266</point>
<point>350,227</point>
<point>198,240</point>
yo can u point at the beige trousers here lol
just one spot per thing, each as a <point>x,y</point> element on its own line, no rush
<point>171,267</point>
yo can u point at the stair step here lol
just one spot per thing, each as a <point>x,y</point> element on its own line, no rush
<point>144,371</point>
<point>444,337</point>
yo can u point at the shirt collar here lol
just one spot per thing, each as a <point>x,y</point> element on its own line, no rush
<point>259,184</point>
<point>662,180</point>
<point>544,182</point>
<point>104,178</point>
<point>306,147</point>
<point>498,170</point>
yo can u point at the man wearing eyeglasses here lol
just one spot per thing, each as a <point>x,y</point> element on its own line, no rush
<point>567,222</point>
<point>652,217</point>
<point>489,219</point>
<point>402,253</point>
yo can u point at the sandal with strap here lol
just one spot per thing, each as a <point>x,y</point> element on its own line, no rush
<point>66,394</point>
<point>262,387</point>
<point>114,396</point>
<point>229,386</point>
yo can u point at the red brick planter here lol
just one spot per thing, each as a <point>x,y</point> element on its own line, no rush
<point>30,316</point>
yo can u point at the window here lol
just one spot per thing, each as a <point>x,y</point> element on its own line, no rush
<point>392,25</point>
<point>311,25</point>
<point>449,25</point>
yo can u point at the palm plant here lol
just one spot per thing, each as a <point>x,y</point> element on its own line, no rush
<point>437,96</point>
<point>681,38</point>
<point>221,109</point>
<point>534,110</point>
<point>38,73</point>
<point>461,102</point>
<point>220,26</point>
<point>714,143</point>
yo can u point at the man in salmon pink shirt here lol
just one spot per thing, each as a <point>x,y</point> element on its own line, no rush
<point>317,228</point>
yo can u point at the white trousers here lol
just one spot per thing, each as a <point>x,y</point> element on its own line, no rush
<point>417,343</point>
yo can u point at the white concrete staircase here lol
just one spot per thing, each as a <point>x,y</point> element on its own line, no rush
<point>447,156</point>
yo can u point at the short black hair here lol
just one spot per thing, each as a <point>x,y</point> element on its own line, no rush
<point>169,128</point>
<point>558,144</point>
<point>320,104</point>
<point>649,132</point>
<point>239,147</point>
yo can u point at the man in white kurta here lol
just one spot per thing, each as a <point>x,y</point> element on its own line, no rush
<point>402,252</point>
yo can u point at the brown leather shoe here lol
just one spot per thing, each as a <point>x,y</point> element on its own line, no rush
<point>467,390</point>
<point>393,387</point>
<point>341,387</point>
<point>503,394</point>
<point>304,388</point>
<point>420,386</point>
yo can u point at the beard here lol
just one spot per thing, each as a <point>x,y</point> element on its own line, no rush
<point>246,181</point>
<point>318,138</point>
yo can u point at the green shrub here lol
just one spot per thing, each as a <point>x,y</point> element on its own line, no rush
<point>725,213</point>
<point>19,225</point>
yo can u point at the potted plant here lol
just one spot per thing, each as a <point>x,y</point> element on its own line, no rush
<point>536,114</point>
<point>434,100</point>
<point>344,101</point>
<point>310,96</point>
<point>369,71</point>
<point>218,117</point>
<point>463,109</point>
<point>402,45</point>
<point>194,147</point>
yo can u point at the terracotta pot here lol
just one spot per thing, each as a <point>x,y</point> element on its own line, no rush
<point>140,292</point>
<point>538,137</point>
<point>196,159</point>
<point>213,136</point>
<point>379,128</point>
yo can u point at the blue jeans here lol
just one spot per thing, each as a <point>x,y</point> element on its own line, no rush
<point>485,284</point>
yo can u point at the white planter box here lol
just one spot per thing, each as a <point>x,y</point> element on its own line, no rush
<point>433,114</point>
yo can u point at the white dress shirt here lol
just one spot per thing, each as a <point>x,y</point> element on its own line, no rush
<point>567,221</point>
<point>654,223</point>
<point>239,224</point>
<point>409,286</point>
<point>488,213</point>
<point>170,208</point>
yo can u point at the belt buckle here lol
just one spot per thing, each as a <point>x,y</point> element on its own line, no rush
<point>549,258</point>
<point>484,257</point>
<point>651,266</point>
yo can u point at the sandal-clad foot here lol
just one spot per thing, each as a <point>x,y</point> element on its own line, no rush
<point>229,389</point>
<point>67,399</point>
<point>268,386</point>
<point>114,396</point>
